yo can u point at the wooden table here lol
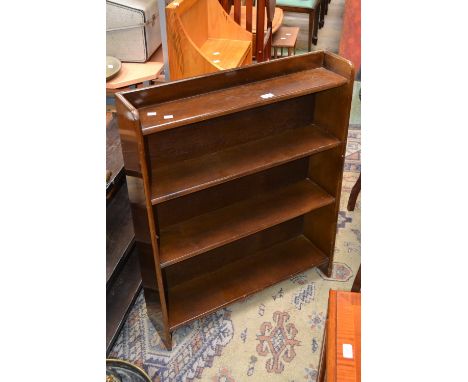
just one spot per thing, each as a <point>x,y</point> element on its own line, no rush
<point>136,73</point>
<point>285,37</point>
<point>340,360</point>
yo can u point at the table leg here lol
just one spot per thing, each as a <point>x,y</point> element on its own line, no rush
<point>322,13</point>
<point>311,29</point>
<point>354,194</point>
<point>357,282</point>
<point>316,24</point>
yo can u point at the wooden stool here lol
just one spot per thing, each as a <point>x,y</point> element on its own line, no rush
<point>285,37</point>
<point>312,8</point>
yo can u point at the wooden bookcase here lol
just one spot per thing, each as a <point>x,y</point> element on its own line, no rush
<point>232,191</point>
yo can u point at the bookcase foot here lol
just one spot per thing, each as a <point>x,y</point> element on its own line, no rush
<point>168,342</point>
<point>153,308</point>
<point>326,268</point>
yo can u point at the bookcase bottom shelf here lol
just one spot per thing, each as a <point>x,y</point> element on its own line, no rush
<point>205,294</point>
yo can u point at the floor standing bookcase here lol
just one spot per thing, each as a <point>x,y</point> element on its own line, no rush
<point>234,180</point>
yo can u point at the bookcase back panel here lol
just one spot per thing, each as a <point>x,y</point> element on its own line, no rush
<point>198,203</point>
<point>191,141</point>
<point>248,246</point>
<point>325,169</point>
<point>320,228</point>
<point>332,110</point>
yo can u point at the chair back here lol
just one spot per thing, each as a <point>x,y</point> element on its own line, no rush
<point>265,9</point>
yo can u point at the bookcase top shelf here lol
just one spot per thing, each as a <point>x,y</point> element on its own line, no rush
<point>196,99</point>
<point>213,104</point>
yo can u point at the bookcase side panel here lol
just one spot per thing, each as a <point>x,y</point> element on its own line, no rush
<point>332,106</point>
<point>332,109</point>
<point>133,149</point>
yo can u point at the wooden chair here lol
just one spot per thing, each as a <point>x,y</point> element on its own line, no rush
<point>357,282</point>
<point>312,8</point>
<point>354,194</point>
<point>249,16</point>
<point>202,38</point>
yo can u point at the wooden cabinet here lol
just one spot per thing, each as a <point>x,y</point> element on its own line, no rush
<point>123,279</point>
<point>234,180</point>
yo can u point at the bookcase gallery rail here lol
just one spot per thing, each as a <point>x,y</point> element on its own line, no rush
<point>234,180</point>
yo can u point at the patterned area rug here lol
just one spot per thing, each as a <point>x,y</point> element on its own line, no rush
<point>274,335</point>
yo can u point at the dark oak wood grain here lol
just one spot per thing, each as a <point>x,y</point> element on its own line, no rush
<point>188,176</point>
<point>211,261</point>
<point>206,294</point>
<point>217,134</point>
<point>232,192</point>
<point>208,231</point>
<point>144,224</point>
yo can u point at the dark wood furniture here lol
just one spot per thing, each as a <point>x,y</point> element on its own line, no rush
<point>234,180</point>
<point>285,37</point>
<point>123,280</point>
<point>340,360</point>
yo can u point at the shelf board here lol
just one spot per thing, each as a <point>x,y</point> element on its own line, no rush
<point>196,174</point>
<point>237,98</point>
<point>210,292</point>
<point>217,228</point>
